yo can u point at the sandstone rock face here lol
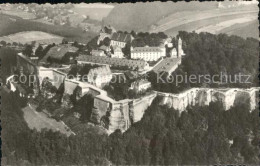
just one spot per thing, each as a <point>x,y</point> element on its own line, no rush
<point>203,96</point>
<point>122,114</point>
<point>139,106</point>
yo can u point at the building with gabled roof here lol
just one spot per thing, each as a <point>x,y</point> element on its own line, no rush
<point>167,65</point>
<point>148,53</point>
<point>59,51</point>
<point>120,39</point>
<point>139,65</point>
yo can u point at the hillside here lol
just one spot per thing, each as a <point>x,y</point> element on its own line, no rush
<point>248,30</point>
<point>140,16</point>
<point>11,24</point>
<point>170,17</point>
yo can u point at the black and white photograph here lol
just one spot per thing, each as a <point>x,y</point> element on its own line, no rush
<point>144,83</point>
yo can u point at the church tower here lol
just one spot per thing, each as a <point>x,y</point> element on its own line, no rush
<point>179,48</point>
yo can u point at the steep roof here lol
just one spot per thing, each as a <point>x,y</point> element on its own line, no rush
<point>140,64</point>
<point>147,49</point>
<point>102,70</point>
<point>166,65</point>
<point>121,37</point>
<point>59,51</point>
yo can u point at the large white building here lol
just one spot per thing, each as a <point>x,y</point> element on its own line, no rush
<point>148,53</point>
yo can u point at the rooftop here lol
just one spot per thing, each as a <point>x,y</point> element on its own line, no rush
<point>121,37</point>
<point>102,70</point>
<point>140,64</point>
<point>147,49</point>
<point>59,51</point>
<point>166,65</point>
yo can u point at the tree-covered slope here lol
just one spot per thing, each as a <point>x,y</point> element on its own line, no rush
<point>201,136</point>
<point>213,56</point>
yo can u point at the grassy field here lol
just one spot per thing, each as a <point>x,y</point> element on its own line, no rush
<point>19,13</point>
<point>140,16</point>
<point>186,17</point>
<point>196,25</point>
<point>28,37</point>
<point>215,28</point>
<point>11,24</point>
<point>244,30</point>
<point>39,121</point>
<point>94,11</point>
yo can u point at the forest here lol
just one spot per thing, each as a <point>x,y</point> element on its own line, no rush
<point>208,54</point>
<point>200,135</point>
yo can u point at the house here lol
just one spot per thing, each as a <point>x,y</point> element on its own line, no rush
<point>105,32</point>
<point>148,53</point>
<point>98,53</point>
<point>129,64</point>
<point>140,85</point>
<point>173,53</point>
<point>120,39</point>
<point>117,52</point>
<point>99,76</point>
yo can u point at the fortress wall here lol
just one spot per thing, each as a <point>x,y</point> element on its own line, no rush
<point>69,86</point>
<point>140,105</point>
<point>204,96</point>
<point>119,117</point>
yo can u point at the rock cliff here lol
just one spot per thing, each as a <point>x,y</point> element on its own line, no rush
<point>203,96</point>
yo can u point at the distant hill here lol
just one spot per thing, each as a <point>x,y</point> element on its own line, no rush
<point>170,17</point>
<point>140,16</point>
<point>244,30</point>
<point>11,24</point>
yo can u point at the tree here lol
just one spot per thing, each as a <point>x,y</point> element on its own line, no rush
<point>3,43</point>
<point>39,51</point>
<point>28,50</point>
<point>106,41</point>
<point>64,41</point>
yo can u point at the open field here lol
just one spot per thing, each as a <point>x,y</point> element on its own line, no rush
<point>94,11</point>
<point>186,17</point>
<point>196,25</point>
<point>19,13</point>
<point>28,37</point>
<point>11,24</point>
<point>222,25</point>
<point>39,121</point>
<point>140,16</point>
<point>249,29</point>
